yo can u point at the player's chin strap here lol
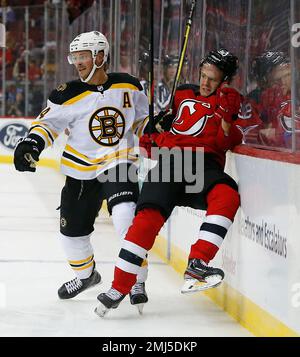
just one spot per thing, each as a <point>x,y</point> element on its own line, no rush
<point>92,71</point>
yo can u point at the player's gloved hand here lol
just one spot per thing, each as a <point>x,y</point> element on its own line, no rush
<point>147,141</point>
<point>271,100</point>
<point>229,101</point>
<point>163,120</point>
<point>27,153</point>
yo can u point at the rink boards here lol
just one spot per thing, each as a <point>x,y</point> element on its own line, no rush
<point>260,253</point>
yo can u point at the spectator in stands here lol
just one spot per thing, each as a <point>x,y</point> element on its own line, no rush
<point>34,71</point>
<point>125,59</point>
<point>170,63</point>
<point>36,99</point>
<point>143,69</point>
<point>10,15</point>
<point>11,91</point>
<point>19,70</point>
<point>184,76</point>
<point>17,108</point>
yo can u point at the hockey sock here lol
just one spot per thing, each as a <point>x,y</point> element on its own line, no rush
<point>79,252</point>
<point>223,203</point>
<point>122,217</point>
<point>139,239</point>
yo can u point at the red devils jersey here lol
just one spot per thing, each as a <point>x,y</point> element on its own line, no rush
<point>195,125</point>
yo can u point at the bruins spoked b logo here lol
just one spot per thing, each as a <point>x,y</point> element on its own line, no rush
<point>107,126</point>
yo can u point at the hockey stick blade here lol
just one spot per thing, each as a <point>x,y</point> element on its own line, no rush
<point>194,285</point>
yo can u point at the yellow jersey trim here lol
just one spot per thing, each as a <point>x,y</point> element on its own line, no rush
<point>69,149</point>
<point>78,97</point>
<point>42,133</point>
<point>123,86</point>
<point>72,164</point>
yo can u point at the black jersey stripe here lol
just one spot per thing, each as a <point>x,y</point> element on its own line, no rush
<point>214,228</point>
<point>42,127</point>
<point>82,162</point>
<point>76,159</point>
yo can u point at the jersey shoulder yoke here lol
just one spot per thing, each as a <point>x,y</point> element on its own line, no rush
<point>117,79</point>
<point>67,91</point>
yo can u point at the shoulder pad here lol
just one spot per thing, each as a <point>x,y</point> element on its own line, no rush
<point>67,91</point>
<point>118,78</point>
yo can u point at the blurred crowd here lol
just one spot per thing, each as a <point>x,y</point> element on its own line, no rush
<point>264,76</point>
<point>25,64</point>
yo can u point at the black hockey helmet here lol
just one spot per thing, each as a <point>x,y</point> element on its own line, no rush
<point>262,65</point>
<point>170,60</point>
<point>144,63</point>
<point>224,60</point>
<point>144,58</point>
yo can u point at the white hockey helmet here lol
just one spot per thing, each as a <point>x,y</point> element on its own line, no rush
<point>93,41</point>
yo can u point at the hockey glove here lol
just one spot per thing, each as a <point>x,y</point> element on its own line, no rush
<point>27,153</point>
<point>271,99</point>
<point>163,120</point>
<point>146,143</point>
<point>229,102</point>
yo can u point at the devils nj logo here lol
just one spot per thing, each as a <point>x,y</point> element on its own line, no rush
<point>191,117</point>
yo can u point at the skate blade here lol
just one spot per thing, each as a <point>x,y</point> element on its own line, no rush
<point>194,285</point>
<point>101,310</point>
<point>140,308</point>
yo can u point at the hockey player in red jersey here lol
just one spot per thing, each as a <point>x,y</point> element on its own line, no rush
<point>265,115</point>
<point>204,116</point>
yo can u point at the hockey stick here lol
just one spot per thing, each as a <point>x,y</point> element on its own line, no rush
<point>151,71</point>
<point>182,53</point>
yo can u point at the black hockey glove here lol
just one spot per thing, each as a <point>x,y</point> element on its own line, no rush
<point>163,120</point>
<point>27,153</point>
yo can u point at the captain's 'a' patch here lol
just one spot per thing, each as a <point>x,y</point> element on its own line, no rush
<point>126,100</point>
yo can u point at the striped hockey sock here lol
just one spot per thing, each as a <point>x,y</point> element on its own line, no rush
<point>223,202</point>
<point>139,239</point>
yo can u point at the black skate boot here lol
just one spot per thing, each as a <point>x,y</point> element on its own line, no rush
<point>74,287</point>
<point>138,296</point>
<point>198,276</point>
<point>109,300</point>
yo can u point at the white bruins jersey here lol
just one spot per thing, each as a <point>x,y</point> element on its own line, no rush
<point>101,120</point>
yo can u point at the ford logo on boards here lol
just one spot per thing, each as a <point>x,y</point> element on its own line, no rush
<point>11,133</point>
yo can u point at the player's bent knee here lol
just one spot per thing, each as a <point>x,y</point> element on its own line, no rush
<point>223,200</point>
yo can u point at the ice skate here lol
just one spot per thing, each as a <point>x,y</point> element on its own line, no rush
<point>108,301</point>
<point>75,286</point>
<point>198,277</point>
<point>138,296</point>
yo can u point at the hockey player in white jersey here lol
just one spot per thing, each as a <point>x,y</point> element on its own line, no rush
<point>102,112</point>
